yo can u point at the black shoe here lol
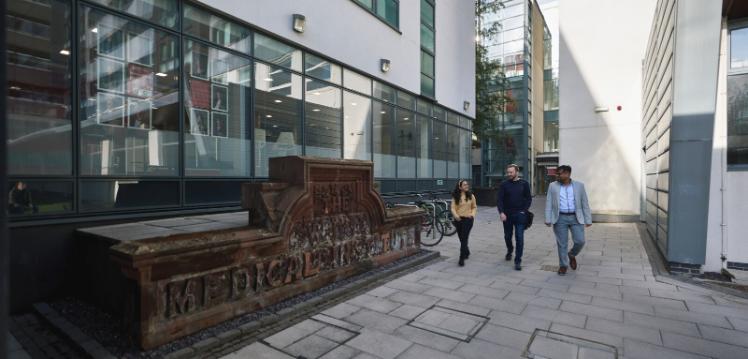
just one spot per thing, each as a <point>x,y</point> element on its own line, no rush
<point>517,266</point>
<point>467,255</point>
<point>508,256</point>
<point>462,262</point>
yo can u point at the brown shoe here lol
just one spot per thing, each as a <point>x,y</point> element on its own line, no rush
<point>572,262</point>
<point>561,270</point>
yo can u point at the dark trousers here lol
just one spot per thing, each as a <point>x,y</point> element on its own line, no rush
<point>464,226</point>
<point>515,224</point>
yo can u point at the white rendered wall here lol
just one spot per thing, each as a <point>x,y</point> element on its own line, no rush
<point>735,198</point>
<point>345,32</point>
<point>601,47</point>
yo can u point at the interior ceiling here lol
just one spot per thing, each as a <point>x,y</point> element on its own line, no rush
<point>735,9</point>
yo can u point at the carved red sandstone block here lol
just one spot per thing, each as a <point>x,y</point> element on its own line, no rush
<point>315,222</point>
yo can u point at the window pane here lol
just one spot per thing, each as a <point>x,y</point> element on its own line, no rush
<point>322,119</point>
<point>215,29</point>
<point>129,98</point>
<point>406,144</point>
<point>465,154</point>
<point>367,3</point>
<point>439,113</point>
<point>427,38</point>
<point>737,120</point>
<point>357,127</point>
<point>217,117</point>
<point>277,53</point>
<point>427,86</point>
<point>388,10</point>
<point>277,115</point>
<point>33,197</point>
<point>128,194</point>
<point>424,156</point>
<point>424,107</point>
<point>406,100</point>
<point>453,148</point>
<point>38,103</point>
<point>384,157</point>
<point>427,13</point>
<point>384,92</point>
<point>453,118</point>
<point>739,48</point>
<point>439,143</point>
<point>162,12</point>
<point>321,69</point>
<point>212,192</point>
<point>427,64</point>
<point>357,82</point>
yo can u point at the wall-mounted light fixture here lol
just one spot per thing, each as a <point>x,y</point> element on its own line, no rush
<point>465,105</point>
<point>384,65</point>
<point>299,22</point>
<point>601,109</point>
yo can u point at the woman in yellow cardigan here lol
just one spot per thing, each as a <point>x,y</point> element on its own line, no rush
<point>463,210</point>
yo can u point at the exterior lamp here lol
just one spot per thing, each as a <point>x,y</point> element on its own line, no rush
<point>465,105</point>
<point>384,65</point>
<point>299,22</point>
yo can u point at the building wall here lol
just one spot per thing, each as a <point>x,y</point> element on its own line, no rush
<point>359,39</point>
<point>601,49</point>
<point>536,86</point>
<point>657,116</point>
<point>726,207</point>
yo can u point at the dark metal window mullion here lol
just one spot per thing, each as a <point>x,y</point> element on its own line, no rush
<point>303,105</point>
<point>75,106</point>
<point>181,114</point>
<point>252,106</point>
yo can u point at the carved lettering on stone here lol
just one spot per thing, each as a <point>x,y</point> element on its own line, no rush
<point>181,297</point>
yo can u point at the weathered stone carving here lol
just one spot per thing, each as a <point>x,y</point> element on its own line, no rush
<point>315,222</point>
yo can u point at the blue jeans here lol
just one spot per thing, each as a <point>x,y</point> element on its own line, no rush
<point>561,229</point>
<point>515,222</point>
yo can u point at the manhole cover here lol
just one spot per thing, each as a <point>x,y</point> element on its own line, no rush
<point>550,345</point>
<point>549,268</point>
<point>450,323</point>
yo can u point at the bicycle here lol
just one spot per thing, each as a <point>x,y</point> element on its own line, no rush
<point>432,225</point>
<point>441,212</point>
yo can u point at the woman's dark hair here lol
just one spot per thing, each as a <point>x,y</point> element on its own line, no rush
<point>456,193</point>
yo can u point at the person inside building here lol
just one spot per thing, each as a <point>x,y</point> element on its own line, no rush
<point>19,199</point>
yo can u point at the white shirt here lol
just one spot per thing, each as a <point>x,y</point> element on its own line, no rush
<point>566,199</point>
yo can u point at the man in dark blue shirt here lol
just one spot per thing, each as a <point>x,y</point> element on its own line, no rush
<point>513,202</point>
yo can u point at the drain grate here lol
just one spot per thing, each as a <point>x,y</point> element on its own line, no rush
<point>545,344</point>
<point>450,323</point>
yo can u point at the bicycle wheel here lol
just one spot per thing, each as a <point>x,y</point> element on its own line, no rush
<point>432,231</point>
<point>447,220</point>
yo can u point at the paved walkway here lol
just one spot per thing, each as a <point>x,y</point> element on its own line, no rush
<point>612,305</point>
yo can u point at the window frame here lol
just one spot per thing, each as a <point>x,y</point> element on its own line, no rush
<point>373,12</point>
<point>734,25</point>
<point>425,50</point>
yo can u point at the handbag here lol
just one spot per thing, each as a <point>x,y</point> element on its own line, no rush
<point>530,217</point>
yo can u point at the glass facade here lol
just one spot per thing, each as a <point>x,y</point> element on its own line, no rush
<point>511,130</point>
<point>163,105</point>
<point>737,100</point>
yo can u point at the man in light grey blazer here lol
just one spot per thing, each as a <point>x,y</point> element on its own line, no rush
<point>567,209</point>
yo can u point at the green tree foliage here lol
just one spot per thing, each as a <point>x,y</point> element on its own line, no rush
<point>489,76</point>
